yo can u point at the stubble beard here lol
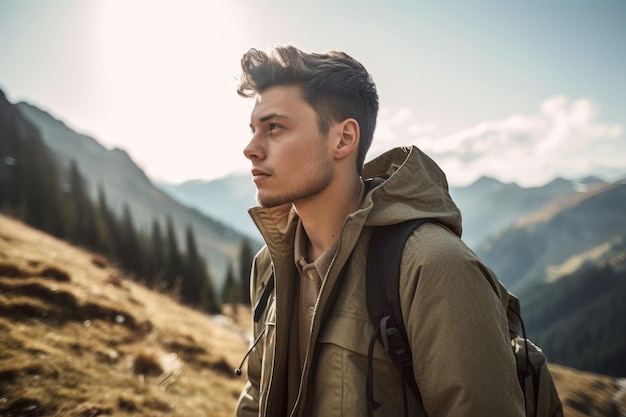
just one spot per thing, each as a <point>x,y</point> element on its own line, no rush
<point>314,184</point>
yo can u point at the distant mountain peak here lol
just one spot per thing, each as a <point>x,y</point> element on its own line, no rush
<point>487,184</point>
<point>485,180</point>
<point>589,181</point>
<point>42,113</point>
<point>122,152</point>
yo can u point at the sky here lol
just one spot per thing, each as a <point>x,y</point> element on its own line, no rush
<point>522,91</point>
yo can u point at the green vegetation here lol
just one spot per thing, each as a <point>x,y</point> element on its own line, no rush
<point>579,319</point>
<point>238,291</point>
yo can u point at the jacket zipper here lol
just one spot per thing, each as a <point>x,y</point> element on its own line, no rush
<point>315,309</point>
<point>269,385</point>
<point>271,376</point>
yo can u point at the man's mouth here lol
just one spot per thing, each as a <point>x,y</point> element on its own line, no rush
<point>258,175</point>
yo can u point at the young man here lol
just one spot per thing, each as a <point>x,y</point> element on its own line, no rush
<point>312,124</point>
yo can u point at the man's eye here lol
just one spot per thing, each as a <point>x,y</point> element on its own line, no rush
<point>274,126</point>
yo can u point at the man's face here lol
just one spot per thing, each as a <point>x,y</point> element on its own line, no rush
<point>291,159</point>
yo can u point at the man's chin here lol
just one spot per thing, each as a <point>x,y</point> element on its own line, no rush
<point>266,201</point>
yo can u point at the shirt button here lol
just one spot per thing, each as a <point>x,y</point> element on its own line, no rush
<point>311,310</point>
<point>311,275</point>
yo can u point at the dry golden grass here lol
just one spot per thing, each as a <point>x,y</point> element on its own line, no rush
<point>79,339</point>
<point>588,394</point>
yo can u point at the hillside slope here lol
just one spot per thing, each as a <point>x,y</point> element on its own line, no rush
<point>78,339</point>
<point>579,319</point>
<point>124,183</point>
<point>539,244</point>
<point>225,199</point>
<point>489,206</point>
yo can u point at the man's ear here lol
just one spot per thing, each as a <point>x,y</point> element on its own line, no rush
<point>347,138</point>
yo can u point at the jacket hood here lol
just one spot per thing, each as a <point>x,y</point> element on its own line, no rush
<point>414,188</point>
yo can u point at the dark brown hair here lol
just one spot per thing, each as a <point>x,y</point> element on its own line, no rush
<point>336,85</point>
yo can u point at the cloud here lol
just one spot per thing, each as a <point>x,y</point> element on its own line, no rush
<point>394,127</point>
<point>563,139</point>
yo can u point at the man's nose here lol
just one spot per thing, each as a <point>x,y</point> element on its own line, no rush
<point>254,150</point>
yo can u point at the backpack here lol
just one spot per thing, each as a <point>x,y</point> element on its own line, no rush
<point>383,301</point>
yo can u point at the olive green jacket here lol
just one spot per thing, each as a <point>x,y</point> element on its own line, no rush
<point>453,308</point>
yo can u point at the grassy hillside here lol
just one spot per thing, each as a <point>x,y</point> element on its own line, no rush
<point>78,339</point>
<point>586,394</point>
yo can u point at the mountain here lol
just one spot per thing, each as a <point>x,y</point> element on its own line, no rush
<point>225,199</point>
<point>124,183</point>
<point>558,246</point>
<point>81,339</point>
<point>488,206</point>
<point>579,317</point>
<point>567,264</point>
<point>541,244</point>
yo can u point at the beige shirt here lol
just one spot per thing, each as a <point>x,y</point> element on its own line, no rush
<point>312,276</point>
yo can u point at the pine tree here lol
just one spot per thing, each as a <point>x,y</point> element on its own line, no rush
<point>114,226</point>
<point>29,177</point>
<point>38,182</point>
<point>197,287</point>
<point>195,276</point>
<point>174,266</point>
<point>209,301</point>
<point>9,148</point>
<point>156,257</point>
<point>231,293</point>
<point>82,222</point>
<point>245,267</point>
<point>131,254</point>
<point>106,234</point>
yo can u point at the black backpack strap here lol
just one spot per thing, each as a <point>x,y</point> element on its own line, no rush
<point>259,309</point>
<point>261,305</point>
<point>383,296</point>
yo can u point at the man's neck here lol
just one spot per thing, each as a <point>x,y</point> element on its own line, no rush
<point>323,216</point>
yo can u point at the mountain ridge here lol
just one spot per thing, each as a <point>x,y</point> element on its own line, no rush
<point>125,184</point>
<point>510,201</point>
<point>521,254</point>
